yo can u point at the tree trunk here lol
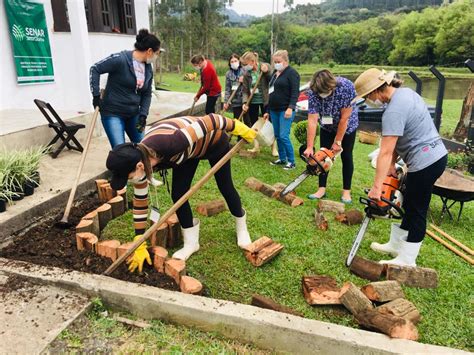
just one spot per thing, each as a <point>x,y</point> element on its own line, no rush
<point>401,308</point>
<point>366,269</point>
<point>460,133</point>
<point>383,291</point>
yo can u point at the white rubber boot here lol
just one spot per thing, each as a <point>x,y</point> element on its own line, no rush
<point>407,254</point>
<point>396,236</point>
<point>243,236</point>
<point>191,241</point>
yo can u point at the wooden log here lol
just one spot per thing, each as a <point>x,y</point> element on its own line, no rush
<point>320,290</point>
<point>85,226</point>
<point>108,249</point>
<point>159,257</point>
<point>281,186</point>
<point>160,236</point>
<point>175,239</point>
<point>211,208</point>
<point>401,307</point>
<point>123,193</point>
<point>267,190</point>
<point>109,192</point>
<point>353,299</point>
<point>253,183</point>
<point>393,326</point>
<point>350,217</point>
<point>262,251</point>
<point>366,269</point>
<point>290,199</point>
<point>105,215</point>
<point>331,206</point>
<point>98,184</point>
<point>383,291</point>
<point>320,220</point>
<point>123,248</point>
<point>117,206</point>
<point>175,268</point>
<point>86,241</point>
<point>268,303</point>
<point>413,276</point>
<point>103,191</point>
<point>94,217</point>
<point>190,285</point>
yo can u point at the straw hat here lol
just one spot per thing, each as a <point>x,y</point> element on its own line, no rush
<point>370,80</point>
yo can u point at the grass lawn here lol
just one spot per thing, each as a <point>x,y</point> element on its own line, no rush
<point>221,266</point>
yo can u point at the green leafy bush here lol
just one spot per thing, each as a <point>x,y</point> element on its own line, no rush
<point>299,130</point>
<point>460,160</point>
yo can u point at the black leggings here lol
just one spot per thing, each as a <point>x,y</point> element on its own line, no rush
<point>326,141</point>
<point>183,177</point>
<point>417,197</point>
<point>252,114</point>
<point>237,110</point>
<point>211,104</point>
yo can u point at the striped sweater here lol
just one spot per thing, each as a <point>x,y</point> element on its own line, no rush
<point>179,139</point>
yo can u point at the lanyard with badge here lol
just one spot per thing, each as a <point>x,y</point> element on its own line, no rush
<point>327,119</point>
<point>271,88</point>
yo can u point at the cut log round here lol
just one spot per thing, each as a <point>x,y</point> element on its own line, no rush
<point>253,184</point>
<point>100,192</point>
<point>383,291</point>
<point>211,208</point>
<point>108,249</point>
<point>393,326</point>
<point>103,191</point>
<point>86,241</point>
<point>123,248</point>
<point>353,299</point>
<point>401,308</point>
<point>331,206</point>
<point>85,226</point>
<point>268,303</point>
<point>160,236</point>
<point>353,217</point>
<point>159,257</point>
<point>175,268</point>
<point>290,199</point>
<point>413,276</point>
<point>366,269</point>
<point>320,290</point>
<point>105,215</point>
<point>190,285</point>
<point>123,193</point>
<point>321,221</point>
<point>94,217</point>
<point>117,205</point>
<point>175,238</point>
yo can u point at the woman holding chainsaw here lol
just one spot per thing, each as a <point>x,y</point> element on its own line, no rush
<point>180,143</point>
<point>408,132</point>
<point>233,85</point>
<point>256,75</point>
<point>330,103</point>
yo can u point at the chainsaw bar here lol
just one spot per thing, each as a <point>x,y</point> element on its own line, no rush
<point>295,183</point>
<point>358,240</point>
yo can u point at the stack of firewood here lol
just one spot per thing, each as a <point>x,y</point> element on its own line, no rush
<point>379,306</point>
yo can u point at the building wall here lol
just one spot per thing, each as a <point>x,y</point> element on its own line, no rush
<point>73,53</point>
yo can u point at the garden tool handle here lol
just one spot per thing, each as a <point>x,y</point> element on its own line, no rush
<point>251,94</point>
<point>191,110</point>
<point>231,97</point>
<point>175,207</point>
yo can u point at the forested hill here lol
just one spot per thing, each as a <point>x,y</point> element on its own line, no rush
<point>346,11</point>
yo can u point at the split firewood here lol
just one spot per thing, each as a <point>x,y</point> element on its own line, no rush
<point>160,236</point>
<point>123,193</point>
<point>175,238</point>
<point>331,206</point>
<point>321,221</point>
<point>247,154</point>
<point>366,269</point>
<point>413,276</point>
<point>268,303</point>
<point>105,215</point>
<point>190,285</point>
<point>262,250</point>
<point>383,291</point>
<point>393,326</point>
<point>108,249</point>
<point>94,217</point>
<point>320,290</point>
<point>253,184</point>
<point>175,268</point>
<point>100,191</point>
<point>86,241</point>
<point>159,257</point>
<point>85,226</point>
<point>267,190</point>
<point>350,217</point>
<point>353,299</point>
<point>117,205</point>
<point>211,208</point>
<point>401,307</point>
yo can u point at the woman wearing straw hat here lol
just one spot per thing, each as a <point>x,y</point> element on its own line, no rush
<point>408,131</point>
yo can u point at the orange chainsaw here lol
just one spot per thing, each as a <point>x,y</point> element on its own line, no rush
<point>389,206</point>
<point>318,163</point>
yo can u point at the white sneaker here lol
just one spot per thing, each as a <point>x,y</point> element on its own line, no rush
<point>243,236</point>
<point>396,236</point>
<point>407,254</point>
<point>191,241</point>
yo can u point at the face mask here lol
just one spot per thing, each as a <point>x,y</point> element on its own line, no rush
<point>248,67</point>
<point>151,59</point>
<point>376,103</point>
<point>137,179</point>
<point>326,94</point>
<point>234,66</point>
<point>196,67</point>
<point>279,66</point>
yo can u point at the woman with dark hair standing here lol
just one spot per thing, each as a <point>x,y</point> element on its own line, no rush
<point>233,80</point>
<point>209,82</point>
<point>330,103</point>
<point>126,102</point>
<point>408,132</point>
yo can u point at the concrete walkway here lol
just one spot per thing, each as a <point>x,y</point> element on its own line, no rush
<point>33,315</point>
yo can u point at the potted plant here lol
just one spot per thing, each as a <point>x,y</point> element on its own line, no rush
<point>32,162</point>
<point>6,195</point>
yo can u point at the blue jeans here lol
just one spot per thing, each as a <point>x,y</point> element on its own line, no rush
<point>282,128</point>
<point>115,128</point>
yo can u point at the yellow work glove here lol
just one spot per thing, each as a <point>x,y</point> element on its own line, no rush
<point>243,131</point>
<point>138,257</point>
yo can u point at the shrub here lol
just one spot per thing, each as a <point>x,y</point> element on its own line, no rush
<point>460,160</point>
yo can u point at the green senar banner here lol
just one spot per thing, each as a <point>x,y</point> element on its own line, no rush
<point>30,41</point>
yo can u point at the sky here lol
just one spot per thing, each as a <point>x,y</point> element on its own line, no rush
<point>263,7</point>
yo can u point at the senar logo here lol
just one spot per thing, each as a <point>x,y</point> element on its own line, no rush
<point>18,32</point>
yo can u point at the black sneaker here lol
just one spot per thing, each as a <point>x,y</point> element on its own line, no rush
<point>289,166</point>
<point>278,162</point>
